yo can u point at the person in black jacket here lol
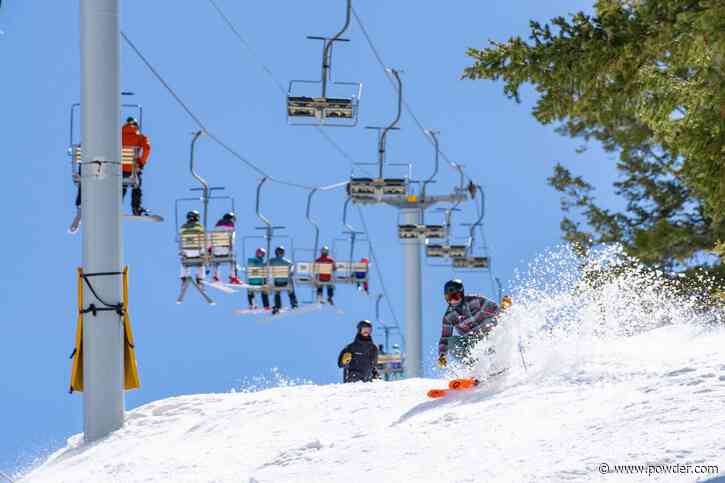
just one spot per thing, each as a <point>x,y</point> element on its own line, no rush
<point>359,358</point>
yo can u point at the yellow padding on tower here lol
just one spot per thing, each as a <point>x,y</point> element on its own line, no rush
<point>130,368</point>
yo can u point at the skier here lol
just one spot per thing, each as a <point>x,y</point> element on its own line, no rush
<point>359,358</point>
<point>258,261</point>
<point>325,278</point>
<point>279,260</point>
<point>131,137</point>
<point>225,223</point>
<point>472,316</point>
<point>192,227</point>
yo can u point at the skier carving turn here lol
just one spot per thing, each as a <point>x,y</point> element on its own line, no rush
<point>471,316</point>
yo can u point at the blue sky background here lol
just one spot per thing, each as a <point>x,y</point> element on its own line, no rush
<point>194,348</point>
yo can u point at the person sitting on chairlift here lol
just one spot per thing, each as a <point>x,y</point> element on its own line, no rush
<point>192,227</point>
<point>257,261</point>
<point>279,260</point>
<point>131,137</point>
<point>226,223</point>
<point>325,278</point>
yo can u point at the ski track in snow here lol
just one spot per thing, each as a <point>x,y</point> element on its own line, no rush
<point>655,398</point>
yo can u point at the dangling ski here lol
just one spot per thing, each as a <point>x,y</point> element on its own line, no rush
<point>75,224</point>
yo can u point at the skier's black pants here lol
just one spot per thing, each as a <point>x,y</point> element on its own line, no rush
<point>330,291</point>
<point>292,298</point>
<point>265,299</point>
<point>135,194</point>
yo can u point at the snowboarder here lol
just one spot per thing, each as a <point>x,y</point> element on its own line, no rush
<point>225,223</point>
<point>132,137</point>
<point>359,358</point>
<point>192,227</point>
<point>279,260</point>
<point>258,261</point>
<point>472,316</point>
<point>325,278</point>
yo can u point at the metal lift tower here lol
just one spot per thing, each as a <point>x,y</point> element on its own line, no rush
<point>103,339</point>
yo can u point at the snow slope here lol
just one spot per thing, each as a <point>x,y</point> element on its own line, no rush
<point>653,398</point>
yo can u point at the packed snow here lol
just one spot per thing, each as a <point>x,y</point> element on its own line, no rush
<point>621,372</point>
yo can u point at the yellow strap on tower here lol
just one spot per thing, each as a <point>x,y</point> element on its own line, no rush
<point>130,367</point>
<point>76,375</point>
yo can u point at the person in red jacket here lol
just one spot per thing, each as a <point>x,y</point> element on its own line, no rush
<point>132,137</point>
<point>325,278</point>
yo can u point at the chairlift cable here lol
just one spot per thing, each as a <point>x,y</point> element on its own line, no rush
<point>215,138</point>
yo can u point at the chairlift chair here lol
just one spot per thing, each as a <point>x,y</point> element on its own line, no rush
<point>340,108</point>
<point>211,247</point>
<point>129,154</point>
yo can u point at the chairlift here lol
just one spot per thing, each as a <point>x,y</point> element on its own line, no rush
<point>341,106</point>
<point>128,153</point>
<point>210,247</point>
<point>262,276</point>
<point>390,362</point>
<point>356,268</point>
<point>374,189</point>
<point>469,260</point>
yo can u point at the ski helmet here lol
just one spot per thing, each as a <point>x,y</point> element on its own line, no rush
<point>193,215</point>
<point>229,217</point>
<point>452,287</point>
<point>364,323</point>
<point>261,252</point>
<point>131,120</point>
<point>279,251</point>
<point>325,251</point>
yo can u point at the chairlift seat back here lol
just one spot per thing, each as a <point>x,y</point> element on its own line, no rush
<point>406,232</point>
<point>221,242</point>
<point>435,251</point>
<point>320,107</point>
<point>457,251</point>
<point>435,231</point>
<point>128,164</point>
<point>471,262</point>
<point>303,272</point>
<point>395,186</point>
<point>280,275</point>
<point>362,186</point>
<point>324,272</point>
<point>256,275</point>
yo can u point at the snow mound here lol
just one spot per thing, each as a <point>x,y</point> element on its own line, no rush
<point>624,405</point>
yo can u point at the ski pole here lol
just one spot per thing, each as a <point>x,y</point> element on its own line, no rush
<point>521,352</point>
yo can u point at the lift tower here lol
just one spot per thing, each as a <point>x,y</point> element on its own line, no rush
<point>103,403</point>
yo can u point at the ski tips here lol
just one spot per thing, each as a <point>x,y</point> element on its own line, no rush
<point>437,393</point>
<point>458,384</point>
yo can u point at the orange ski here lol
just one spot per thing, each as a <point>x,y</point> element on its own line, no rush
<point>437,393</point>
<point>463,384</point>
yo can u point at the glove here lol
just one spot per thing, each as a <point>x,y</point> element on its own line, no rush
<point>442,361</point>
<point>346,358</point>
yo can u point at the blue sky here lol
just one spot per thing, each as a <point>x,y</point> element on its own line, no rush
<point>194,348</point>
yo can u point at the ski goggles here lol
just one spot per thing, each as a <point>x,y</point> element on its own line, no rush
<point>454,297</point>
